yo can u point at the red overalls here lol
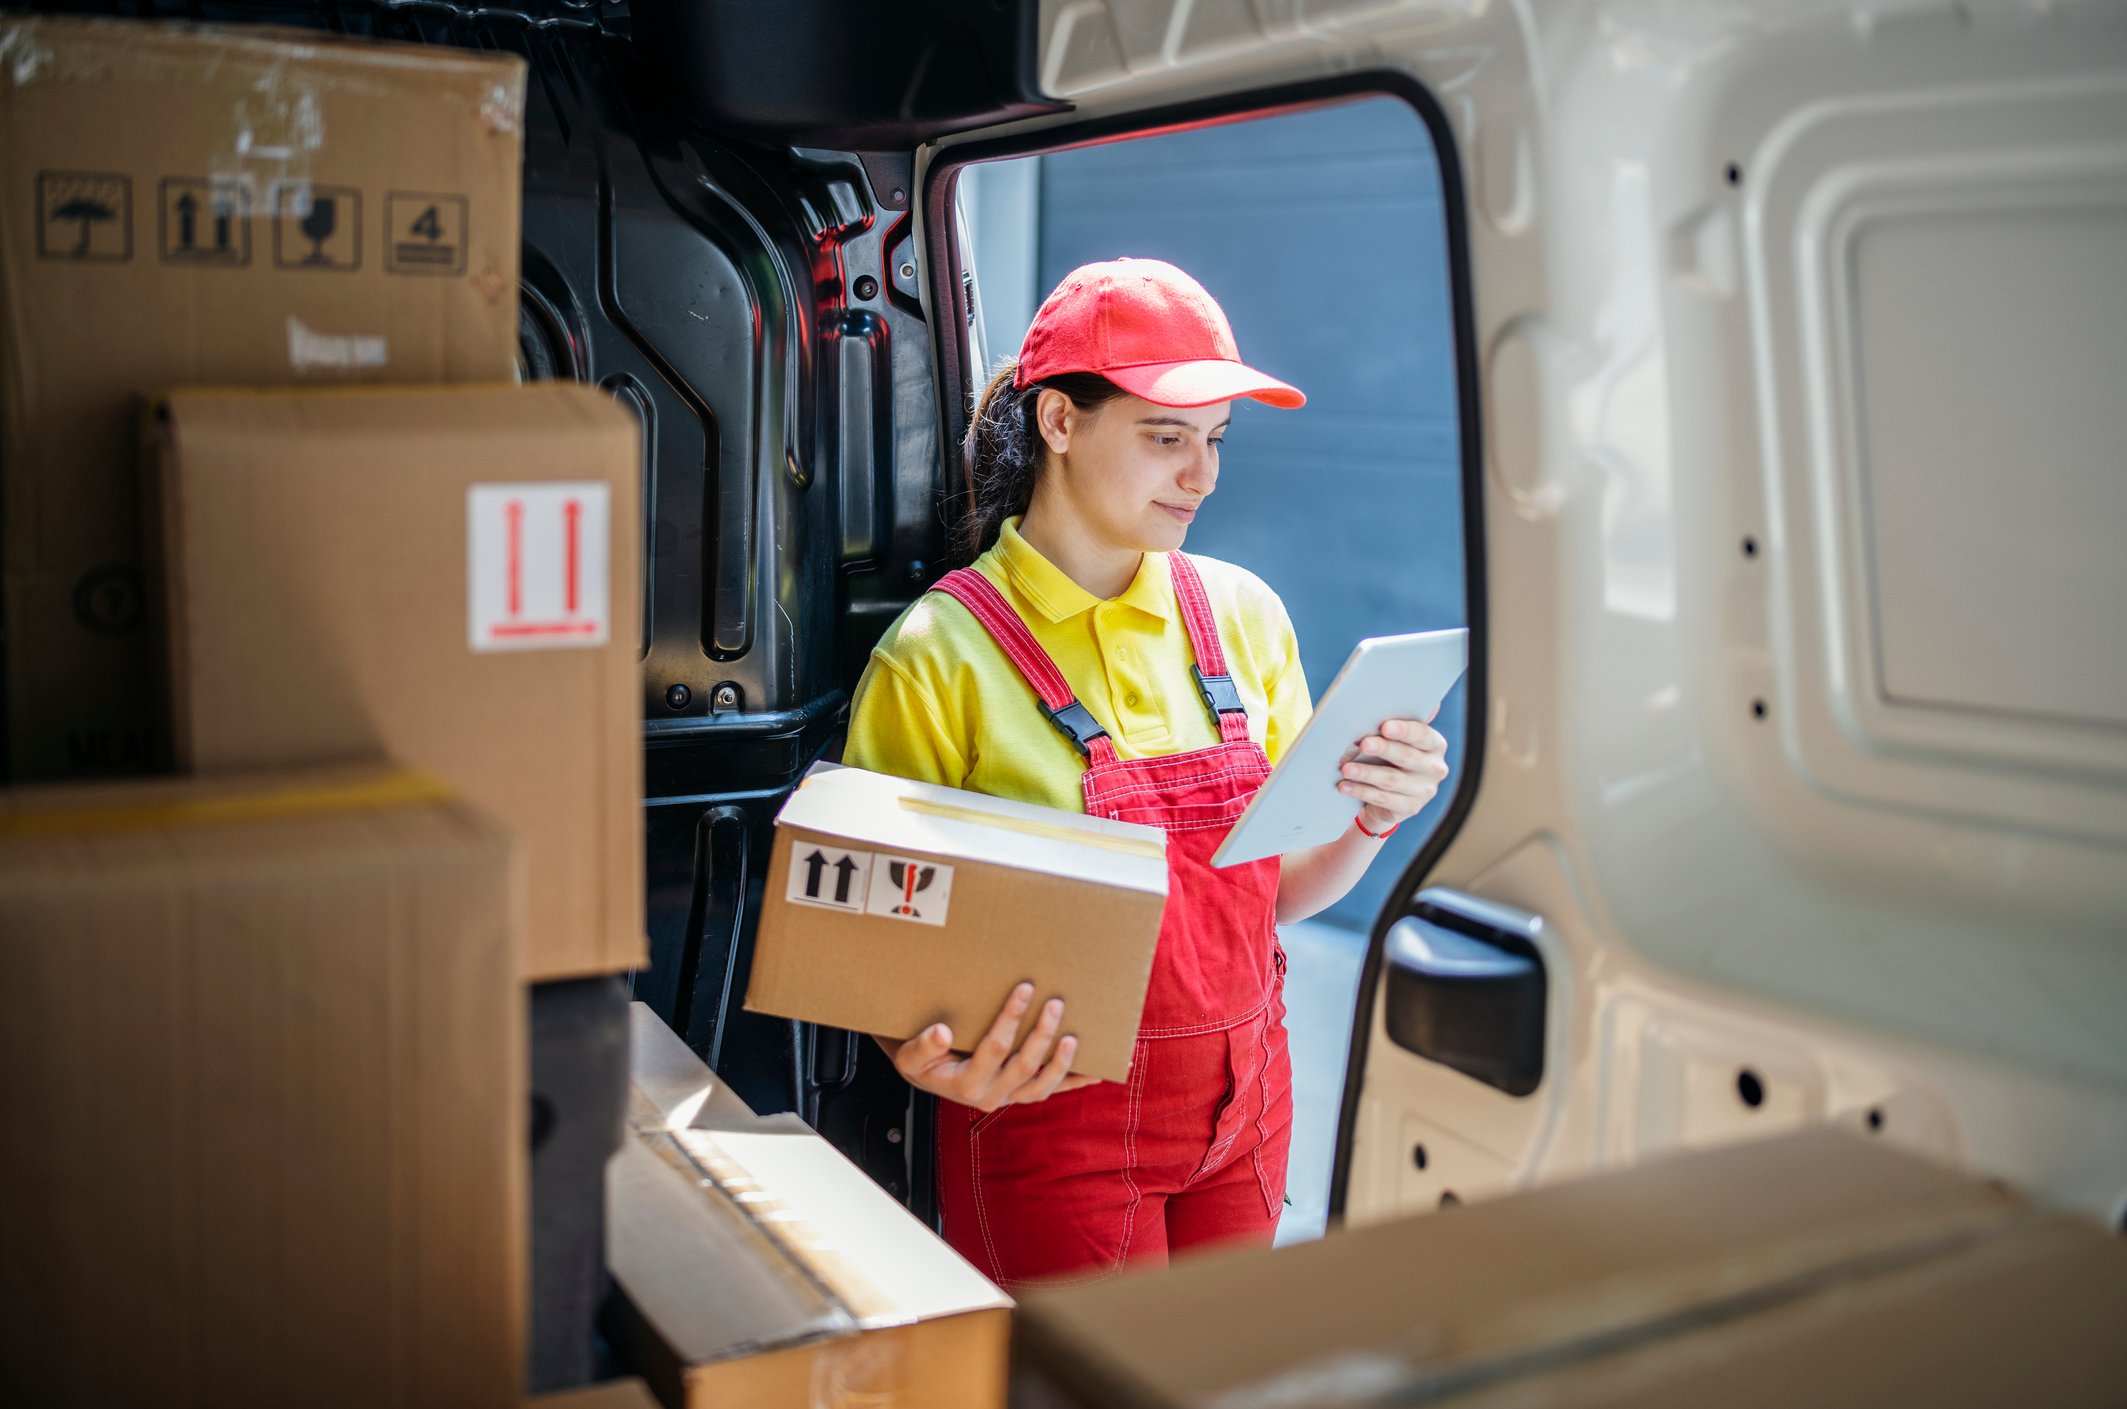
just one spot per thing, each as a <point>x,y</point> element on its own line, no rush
<point>1192,1149</point>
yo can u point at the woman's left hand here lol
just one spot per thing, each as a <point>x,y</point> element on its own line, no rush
<point>1412,765</point>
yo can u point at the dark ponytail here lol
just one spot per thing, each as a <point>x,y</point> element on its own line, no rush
<point>1004,450</point>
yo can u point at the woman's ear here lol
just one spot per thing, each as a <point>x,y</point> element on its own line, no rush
<point>1052,419</point>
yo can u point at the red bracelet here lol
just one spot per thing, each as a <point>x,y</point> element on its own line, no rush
<point>1377,836</point>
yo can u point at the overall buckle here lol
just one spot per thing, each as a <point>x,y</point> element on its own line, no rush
<point>1076,723</point>
<point>1221,695</point>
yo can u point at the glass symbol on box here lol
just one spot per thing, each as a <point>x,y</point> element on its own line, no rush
<point>907,888</point>
<point>317,229</point>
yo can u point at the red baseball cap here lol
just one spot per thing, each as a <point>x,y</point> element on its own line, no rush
<point>1149,328</point>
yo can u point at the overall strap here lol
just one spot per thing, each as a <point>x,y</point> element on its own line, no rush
<point>1212,682</point>
<point>1062,709</point>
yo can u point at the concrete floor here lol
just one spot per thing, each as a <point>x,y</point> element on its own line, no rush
<point>1321,988</point>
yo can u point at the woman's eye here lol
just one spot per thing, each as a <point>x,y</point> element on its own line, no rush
<point>1166,440</point>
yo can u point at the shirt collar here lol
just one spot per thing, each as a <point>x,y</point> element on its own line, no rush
<point>1052,592</point>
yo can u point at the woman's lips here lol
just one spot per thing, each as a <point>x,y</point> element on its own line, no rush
<point>1183,513</point>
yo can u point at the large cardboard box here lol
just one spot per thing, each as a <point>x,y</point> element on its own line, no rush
<point>614,1394</point>
<point>892,904</point>
<point>449,578</point>
<point>757,1266</point>
<point>263,1072</point>
<point>185,206</point>
<point>1818,1268</point>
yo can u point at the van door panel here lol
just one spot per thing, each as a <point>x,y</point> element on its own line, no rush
<point>1798,720</point>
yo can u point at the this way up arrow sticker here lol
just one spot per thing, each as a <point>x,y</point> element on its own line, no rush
<point>825,875</point>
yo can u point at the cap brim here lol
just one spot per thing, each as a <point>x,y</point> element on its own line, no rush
<point>1199,383</point>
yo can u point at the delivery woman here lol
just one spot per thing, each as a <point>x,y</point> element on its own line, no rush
<point>1083,662</point>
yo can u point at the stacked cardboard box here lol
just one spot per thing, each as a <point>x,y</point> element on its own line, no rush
<point>262,1061</point>
<point>446,578</point>
<point>756,1265</point>
<point>265,1027</point>
<point>185,206</point>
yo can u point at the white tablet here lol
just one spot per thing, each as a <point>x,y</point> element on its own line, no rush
<point>1385,677</point>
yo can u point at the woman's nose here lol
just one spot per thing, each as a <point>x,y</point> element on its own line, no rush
<point>1202,474</point>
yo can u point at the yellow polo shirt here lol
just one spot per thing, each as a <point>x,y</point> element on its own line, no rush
<point>941,702</point>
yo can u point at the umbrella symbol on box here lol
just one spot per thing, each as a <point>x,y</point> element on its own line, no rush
<point>911,880</point>
<point>84,215</point>
<point>88,210</point>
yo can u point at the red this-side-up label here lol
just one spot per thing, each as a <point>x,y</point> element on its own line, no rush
<point>538,574</point>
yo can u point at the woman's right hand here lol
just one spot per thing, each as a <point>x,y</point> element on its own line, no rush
<point>993,1075</point>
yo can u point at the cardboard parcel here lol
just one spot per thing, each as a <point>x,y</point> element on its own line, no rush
<point>757,1266</point>
<point>614,1394</point>
<point>892,904</point>
<point>263,1068</point>
<point>448,577</point>
<point>1815,1268</point>
<point>184,206</point>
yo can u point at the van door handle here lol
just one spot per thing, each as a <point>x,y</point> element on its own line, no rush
<point>1467,988</point>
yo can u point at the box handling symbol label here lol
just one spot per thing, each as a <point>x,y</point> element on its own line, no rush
<point>424,233</point>
<point>825,875</point>
<point>317,227</point>
<point>206,220</point>
<point>908,889</point>
<point>538,573</point>
<point>892,887</point>
<point>85,215</point>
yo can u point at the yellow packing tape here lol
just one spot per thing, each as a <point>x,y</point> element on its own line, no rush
<point>1129,846</point>
<point>384,790</point>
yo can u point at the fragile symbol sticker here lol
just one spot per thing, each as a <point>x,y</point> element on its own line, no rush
<point>317,227</point>
<point>904,888</point>
<point>825,875</point>
<point>538,565</point>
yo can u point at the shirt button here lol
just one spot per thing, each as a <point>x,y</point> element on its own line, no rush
<point>1131,699</point>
